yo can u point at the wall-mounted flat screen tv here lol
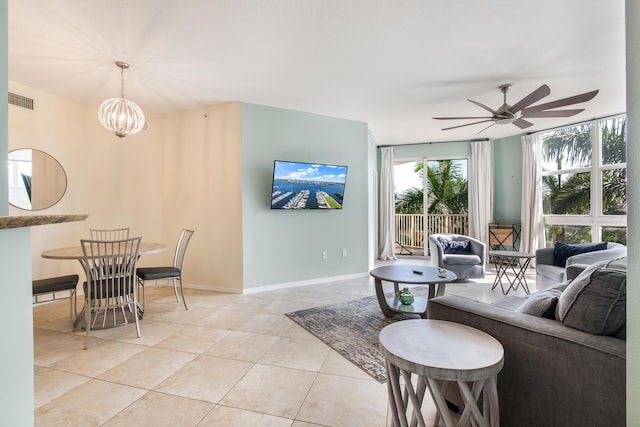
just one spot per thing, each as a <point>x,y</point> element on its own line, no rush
<point>299,185</point>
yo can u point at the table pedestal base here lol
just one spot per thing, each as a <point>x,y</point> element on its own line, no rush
<point>406,400</point>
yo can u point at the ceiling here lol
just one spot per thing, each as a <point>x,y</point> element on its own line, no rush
<point>391,63</point>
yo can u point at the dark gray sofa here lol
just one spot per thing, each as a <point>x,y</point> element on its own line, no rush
<point>553,375</point>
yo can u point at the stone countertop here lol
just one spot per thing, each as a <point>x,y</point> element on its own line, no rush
<point>31,220</point>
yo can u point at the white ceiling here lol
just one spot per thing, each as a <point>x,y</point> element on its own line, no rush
<point>391,63</point>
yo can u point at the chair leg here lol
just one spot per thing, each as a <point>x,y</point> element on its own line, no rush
<point>175,289</point>
<point>184,301</point>
<point>72,304</point>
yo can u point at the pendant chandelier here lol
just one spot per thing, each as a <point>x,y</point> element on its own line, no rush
<point>120,115</point>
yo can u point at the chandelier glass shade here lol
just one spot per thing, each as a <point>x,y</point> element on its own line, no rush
<point>120,115</point>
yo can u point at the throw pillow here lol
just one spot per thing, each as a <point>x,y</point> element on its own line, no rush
<point>543,303</point>
<point>596,300</point>
<point>562,251</point>
<point>457,247</point>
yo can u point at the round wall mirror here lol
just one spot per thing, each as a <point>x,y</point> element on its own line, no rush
<point>36,180</point>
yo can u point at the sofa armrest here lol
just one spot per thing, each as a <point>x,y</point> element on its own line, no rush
<point>553,374</point>
<point>478,248</point>
<point>597,256</point>
<point>544,256</point>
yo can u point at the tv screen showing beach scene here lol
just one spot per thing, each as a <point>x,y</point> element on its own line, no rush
<point>299,185</point>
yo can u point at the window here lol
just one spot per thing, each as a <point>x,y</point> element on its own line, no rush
<point>584,176</point>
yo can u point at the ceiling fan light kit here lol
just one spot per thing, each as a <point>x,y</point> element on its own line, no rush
<point>121,115</point>
<point>524,109</point>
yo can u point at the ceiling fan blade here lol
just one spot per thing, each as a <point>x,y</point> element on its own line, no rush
<point>468,124</point>
<point>482,106</point>
<point>532,98</point>
<point>483,129</point>
<point>576,99</point>
<point>550,113</point>
<point>460,118</point>
<point>522,123</point>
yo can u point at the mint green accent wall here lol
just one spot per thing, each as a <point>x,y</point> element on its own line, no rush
<point>4,112</point>
<point>286,246</point>
<point>16,358</point>
<point>16,361</point>
<point>507,179</point>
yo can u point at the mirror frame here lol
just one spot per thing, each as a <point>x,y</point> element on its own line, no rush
<point>62,192</point>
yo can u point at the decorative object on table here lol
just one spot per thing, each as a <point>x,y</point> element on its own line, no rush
<point>442,272</point>
<point>406,298</point>
<point>121,115</point>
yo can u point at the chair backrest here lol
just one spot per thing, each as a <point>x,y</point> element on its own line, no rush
<point>181,247</point>
<point>114,234</point>
<point>110,267</point>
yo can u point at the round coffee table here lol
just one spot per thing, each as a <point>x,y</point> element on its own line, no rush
<point>412,275</point>
<point>440,351</point>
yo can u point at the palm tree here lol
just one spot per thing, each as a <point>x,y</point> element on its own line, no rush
<point>571,147</point>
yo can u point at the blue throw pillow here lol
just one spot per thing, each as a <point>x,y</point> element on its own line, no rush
<point>562,251</point>
<point>456,247</point>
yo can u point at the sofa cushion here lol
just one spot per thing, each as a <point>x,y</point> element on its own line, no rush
<point>459,247</point>
<point>543,303</point>
<point>595,301</point>
<point>562,251</point>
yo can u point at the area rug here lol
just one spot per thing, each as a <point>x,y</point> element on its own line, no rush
<point>351,328</point>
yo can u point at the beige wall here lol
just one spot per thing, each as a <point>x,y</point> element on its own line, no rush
<point>184,171</point>
<point>202,189</point>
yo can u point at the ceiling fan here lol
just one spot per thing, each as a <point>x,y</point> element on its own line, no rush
<point>524,109</point>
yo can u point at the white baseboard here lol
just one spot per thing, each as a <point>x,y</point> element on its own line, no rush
<point>277,285</point>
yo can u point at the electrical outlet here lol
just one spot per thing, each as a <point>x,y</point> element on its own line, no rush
<point>344,253</point>
<point>324,254</point>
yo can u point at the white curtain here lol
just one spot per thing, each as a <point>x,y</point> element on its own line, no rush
<point>387,234</point>
<point>532,233</point>
<point>480,190</point>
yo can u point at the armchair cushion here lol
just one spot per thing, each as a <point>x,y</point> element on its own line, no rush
<point>562,251</point>
<point>457,247</point>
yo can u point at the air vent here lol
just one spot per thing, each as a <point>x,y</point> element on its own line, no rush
<point>20,101</point>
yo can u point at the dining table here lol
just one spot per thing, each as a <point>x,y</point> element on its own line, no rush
<point>76,253</point>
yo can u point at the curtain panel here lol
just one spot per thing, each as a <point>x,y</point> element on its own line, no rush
<point>480,190</point>
<point>532,234</point>
<point>386,244</point>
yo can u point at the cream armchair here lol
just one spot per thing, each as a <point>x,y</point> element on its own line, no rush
<point>465,255</point>
<point>549,274</point>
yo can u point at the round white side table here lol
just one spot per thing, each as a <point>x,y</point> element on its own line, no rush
<point>437,350</point>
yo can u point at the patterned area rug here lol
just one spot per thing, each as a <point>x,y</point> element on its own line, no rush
<point>351,328</point>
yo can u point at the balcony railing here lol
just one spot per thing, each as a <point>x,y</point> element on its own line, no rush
<point>410,228</point>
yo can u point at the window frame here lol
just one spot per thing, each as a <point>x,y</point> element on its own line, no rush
<point>596,219</point>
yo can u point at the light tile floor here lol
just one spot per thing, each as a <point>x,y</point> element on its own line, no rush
<point>230,360</point>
